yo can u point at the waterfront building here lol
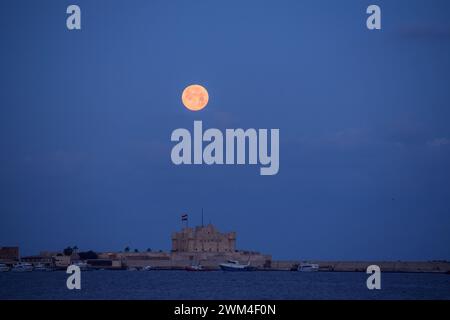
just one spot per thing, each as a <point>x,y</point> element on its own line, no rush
<point>9,253</point>
<point>39,260</point>
<point>61,261</point>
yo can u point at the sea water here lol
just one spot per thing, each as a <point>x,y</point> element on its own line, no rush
<point>222,285</point>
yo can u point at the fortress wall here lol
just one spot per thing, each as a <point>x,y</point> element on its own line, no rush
<point>181,260</point>
<point>361,266</point>
<point>184,259</point>
<point>284,264</point>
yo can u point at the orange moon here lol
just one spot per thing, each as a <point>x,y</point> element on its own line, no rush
<point>195,97</point>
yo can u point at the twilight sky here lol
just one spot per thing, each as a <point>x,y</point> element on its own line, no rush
<point>86,118</point>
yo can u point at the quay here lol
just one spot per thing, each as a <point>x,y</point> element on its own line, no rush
<point>203,245</point>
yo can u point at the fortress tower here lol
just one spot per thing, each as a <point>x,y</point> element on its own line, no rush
<point>203,239</point>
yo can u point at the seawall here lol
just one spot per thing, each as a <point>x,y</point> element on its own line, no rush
<point>361,266</point>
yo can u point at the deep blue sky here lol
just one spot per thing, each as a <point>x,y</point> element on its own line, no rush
<point>86,118</point>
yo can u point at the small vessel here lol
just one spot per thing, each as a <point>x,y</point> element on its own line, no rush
<point>22,267</point>
<point>4,267</point>
<point>196,267</point>
<point>232,265</point>
<point>132,269</point>
<point>42,267</point>
<point>148,268</point>
<point>82,265</point>
<point>308,267</point>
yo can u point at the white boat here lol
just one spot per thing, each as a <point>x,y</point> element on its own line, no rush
<point>196,267</point>
<point>308,267</point>
<point>232,265</point>
<point>82,265</point>
<point>22,267</point>
<point>147,268</point>
<point>4,267</point>
<point>41,267</point>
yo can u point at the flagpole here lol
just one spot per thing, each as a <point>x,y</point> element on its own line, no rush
<point>184,220</point>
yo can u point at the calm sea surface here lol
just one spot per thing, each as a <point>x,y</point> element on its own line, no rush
<point>222,285</point>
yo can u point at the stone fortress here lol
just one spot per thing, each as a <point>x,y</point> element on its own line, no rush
<point>204,245</point>
<point>209,247</point>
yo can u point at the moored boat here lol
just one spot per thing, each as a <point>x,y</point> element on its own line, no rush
<point>308,267</point>
<point>22,267</point>
<point>83,266</point>
<point>42,267</point>
<point>148,268</point>
<point>4,267</point>
<point>196,267</point>
<point>232,265</point>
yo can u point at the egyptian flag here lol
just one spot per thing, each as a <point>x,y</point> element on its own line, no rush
<point>184,217</point>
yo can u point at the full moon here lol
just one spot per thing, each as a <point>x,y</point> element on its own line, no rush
<point>195,97</point>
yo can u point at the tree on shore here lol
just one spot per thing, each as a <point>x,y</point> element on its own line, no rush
<point>88,255</point>
<point>68,251</point>
<point>127,249</point>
